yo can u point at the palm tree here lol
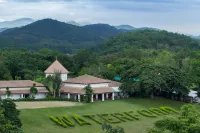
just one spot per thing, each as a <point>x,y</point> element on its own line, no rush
<point>54,83</point>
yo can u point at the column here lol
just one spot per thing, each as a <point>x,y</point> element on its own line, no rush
<point>92,100</point>
<point>68,96</point>
<point>78,97</point>
<point>106,95</point>
<point>113,96</point>
<point>74,96</point>
<point>102,97</point>
<point>96,96</point>
<point>22,95</point>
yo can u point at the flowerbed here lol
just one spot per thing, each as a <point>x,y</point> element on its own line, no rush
<point>112,118</point>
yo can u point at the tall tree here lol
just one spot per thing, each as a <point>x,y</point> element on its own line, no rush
<point>188,121</point>
<point>11,113</point>
<point>153,79</point>
<point>33,91</point>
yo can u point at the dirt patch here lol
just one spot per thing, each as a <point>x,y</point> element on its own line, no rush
<point>45,104</point>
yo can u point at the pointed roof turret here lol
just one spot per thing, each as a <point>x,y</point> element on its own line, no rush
<point>56,66</point>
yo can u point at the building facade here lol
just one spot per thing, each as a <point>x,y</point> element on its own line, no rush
<point>102,89</point>
<point>21,89</point>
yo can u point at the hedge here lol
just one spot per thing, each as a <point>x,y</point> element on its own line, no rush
<point>80,120</point>
<point>157,111</point>
<point>67,121</point>
<point>167,109</point>
<point>146,113</point>
<point>93,118</point>
<point>108,118</point>
<point>122,117</point>
<point>136,117</point>
<point>112,118</point>
<point>58,121</point>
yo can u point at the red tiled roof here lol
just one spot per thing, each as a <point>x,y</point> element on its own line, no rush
<point>73,90</point>
<point>56,66</point>
<point>86,79</point>
<point>19,84</point>
<point>78,90</point>
<point>114,84</point>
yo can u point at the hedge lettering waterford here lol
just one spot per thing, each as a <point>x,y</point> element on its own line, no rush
<point>112,118</point>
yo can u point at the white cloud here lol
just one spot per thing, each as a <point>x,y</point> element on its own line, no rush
<point>1,1</point>
<point>173,15</point>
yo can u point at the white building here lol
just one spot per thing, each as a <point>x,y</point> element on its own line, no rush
<point>102,89</point>
<point>56,66</point>
<point>21,89</point>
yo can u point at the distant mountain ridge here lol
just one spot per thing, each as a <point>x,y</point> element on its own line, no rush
<point>131,28</point>
<point>2,29</point>
<point>16,23</point>
<point>125,27</point>
<point>53,34</point>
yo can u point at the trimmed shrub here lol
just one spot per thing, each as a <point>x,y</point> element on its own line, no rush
<point>58,121</point>
<point>130,113</point>
<point>157,111</point>
<point>146,113</point>
<point>67,121</point>
<point>108,118</point>
<point>122,117</point>
<point>92,117</point>
<point>80,120</point>
<point>168,110</point>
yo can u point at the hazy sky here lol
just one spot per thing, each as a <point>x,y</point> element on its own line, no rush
<point>181,16</point>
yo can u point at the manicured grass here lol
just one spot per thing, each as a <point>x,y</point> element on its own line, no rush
<point>37,120</point>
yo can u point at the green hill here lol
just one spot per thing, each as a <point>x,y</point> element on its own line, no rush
<point>48,33</point>
<point>147,39</point>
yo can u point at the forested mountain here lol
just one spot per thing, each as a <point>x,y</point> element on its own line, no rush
<point>147,39</point>
<point>56,35</point>
<point>2,29</point>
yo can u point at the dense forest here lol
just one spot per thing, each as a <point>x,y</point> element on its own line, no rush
<point>138,54</point>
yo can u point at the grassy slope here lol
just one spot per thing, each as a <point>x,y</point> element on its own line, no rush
<point>37,120</point>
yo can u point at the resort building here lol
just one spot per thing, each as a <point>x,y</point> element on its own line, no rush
<point>21,89</point>
<point>73,88</point>
<point>55,67</point>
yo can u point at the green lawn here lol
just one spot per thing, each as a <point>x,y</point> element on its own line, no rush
<point>37,120</point>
